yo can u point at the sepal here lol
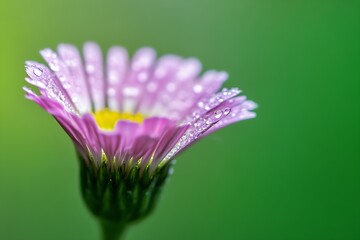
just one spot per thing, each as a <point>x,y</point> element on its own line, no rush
<point>115,195</point>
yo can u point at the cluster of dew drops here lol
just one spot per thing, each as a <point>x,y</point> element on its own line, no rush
<point>201,122</point>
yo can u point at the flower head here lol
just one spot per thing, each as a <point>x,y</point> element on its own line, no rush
<point>128,118</point>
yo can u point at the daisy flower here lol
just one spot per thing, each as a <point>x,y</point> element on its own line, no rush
<point>129,118</point>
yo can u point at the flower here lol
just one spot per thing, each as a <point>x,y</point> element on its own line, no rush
<point>129,118</point>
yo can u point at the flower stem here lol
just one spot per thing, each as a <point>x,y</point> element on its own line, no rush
<point>112,230</point>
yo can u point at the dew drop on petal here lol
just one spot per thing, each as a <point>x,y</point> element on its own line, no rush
<point>113,76</point>
<point>226,111</point>
<point>52,92</point>
<point>66,84</point>
<point>90,68</point>
<point>54,67</point>
<point>71,62</point>
<point>218,114</point>
<point>142,77</point>
<point>37,71</point>
<point>197,88</point>
<point>131,91</point>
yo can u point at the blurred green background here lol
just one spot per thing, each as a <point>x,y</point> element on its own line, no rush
<point>291,173</point>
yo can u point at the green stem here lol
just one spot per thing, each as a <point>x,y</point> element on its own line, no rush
<point>112,230</point>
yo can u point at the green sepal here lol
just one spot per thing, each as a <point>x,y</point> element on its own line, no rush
<point>119,195</point>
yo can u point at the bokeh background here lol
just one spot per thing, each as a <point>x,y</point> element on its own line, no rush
<point>291,173</point>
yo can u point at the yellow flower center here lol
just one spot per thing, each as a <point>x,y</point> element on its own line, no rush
<point>106,119</point>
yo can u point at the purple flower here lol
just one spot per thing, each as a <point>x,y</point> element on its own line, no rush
<point>136,113</point>
<point>140,110</point>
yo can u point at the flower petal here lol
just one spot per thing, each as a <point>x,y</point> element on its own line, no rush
<point>79,91</point>
<point>140,72</point>
<point>117,67</point>
<point>95,74</point>
<point>43,78</point>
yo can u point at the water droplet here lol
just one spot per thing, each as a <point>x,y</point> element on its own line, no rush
<point>183,73</point>
<point>131,91</point>
<point>197,88</point>
<point>62,78</point>
<point>196,115</point>
<point>142,62</point>
<point>142,77</point>
<point>61,97</point>
<point>90,68</point>
<point>226,111</point>
<point>218,114</point>
<point>54,67</point>
<point>66,84</point>
<point>37,71</point>
<point>51,92</point>
<point>71,62</point>
<point>113,76</point>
